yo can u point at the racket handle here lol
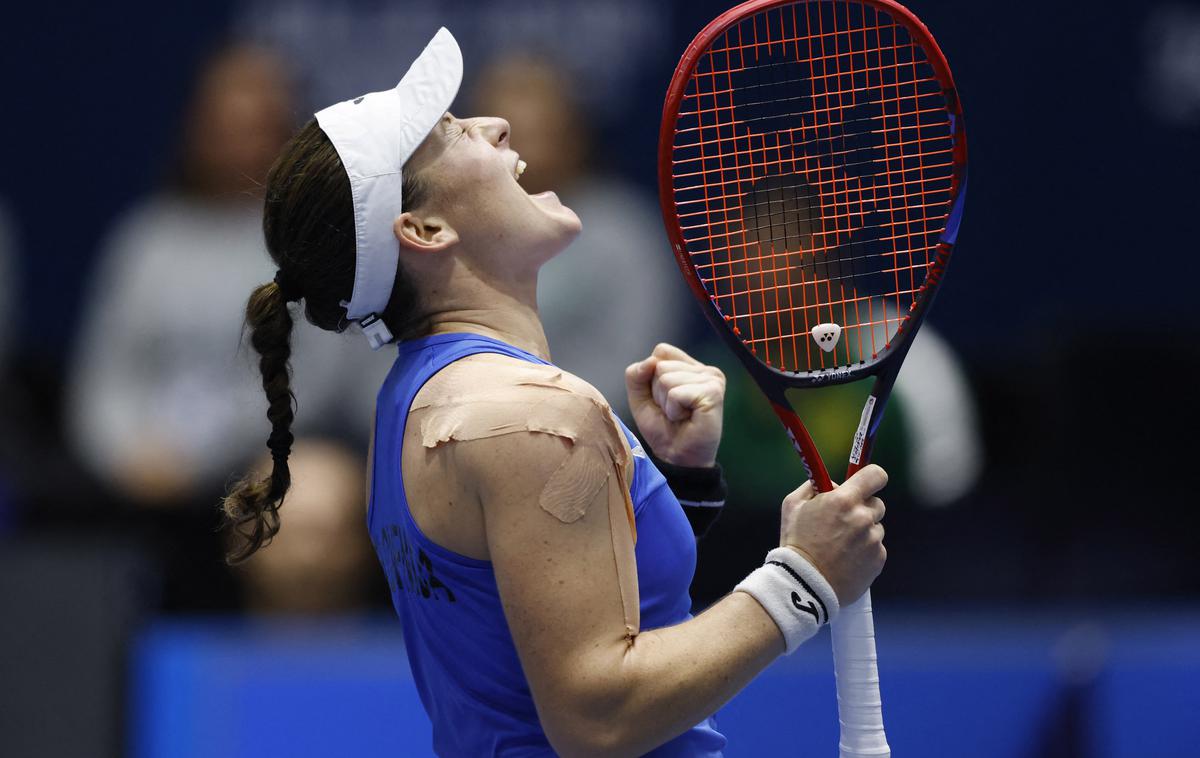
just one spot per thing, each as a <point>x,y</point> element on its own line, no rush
<point>859,707</point>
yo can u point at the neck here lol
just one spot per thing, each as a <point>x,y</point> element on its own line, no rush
<point>509,316</point>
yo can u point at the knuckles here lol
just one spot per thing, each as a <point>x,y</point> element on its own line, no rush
<point>839,500</point>
<point>797,496</point>
<point>664,350</point>
<point>790,505</point>
<point>860,519</point>
<point>878,505</point>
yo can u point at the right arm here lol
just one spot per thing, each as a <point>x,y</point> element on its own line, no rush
<point>601,685</point>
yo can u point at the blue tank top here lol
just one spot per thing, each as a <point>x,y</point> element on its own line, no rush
<point>463,658</point>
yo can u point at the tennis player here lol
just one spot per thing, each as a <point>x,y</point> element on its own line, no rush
<point>539,557</point>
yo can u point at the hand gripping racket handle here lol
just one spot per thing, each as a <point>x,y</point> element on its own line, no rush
<point>859,707</point>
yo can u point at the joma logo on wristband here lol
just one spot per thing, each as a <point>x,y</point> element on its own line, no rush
<point>809,607</point>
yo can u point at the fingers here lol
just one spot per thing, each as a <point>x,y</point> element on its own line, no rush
<point>865,483</point>
<point>677,383</point>
<point>641,371</point>
<point>637,380</point>
<point>672,379</point>
<point>685,389</point>
<point>664,384</point>
<point>864,517</point>
<point>881,550</point>
<point>667,351</point>
<point>684,370</point>
<point>678,402</point>
<point>800,495</point>
<point>671,365</point>
<point>877,508</point>
<point>681,401</point>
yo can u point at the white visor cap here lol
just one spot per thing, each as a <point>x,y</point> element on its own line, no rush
<point>375,135</point>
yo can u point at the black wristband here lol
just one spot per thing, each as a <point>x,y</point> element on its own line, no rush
<point>701,491</point>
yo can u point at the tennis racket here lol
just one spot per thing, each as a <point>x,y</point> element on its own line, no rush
<point>812,172</point>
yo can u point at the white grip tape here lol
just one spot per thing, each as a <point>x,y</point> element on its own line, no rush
<point>854,663</point>
<point>793,593</point>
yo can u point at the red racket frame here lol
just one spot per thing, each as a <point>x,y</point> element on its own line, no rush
<point>886,365</point>
<point>859,707</point>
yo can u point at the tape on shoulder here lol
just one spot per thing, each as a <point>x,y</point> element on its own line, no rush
<point>534,398</point>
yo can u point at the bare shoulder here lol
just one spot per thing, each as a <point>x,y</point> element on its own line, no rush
<point>522,429</point>
<point>486,373</point>
<point>541,453</point>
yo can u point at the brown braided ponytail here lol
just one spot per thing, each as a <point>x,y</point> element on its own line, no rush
<point>308,223</point>
<point>252,508</point>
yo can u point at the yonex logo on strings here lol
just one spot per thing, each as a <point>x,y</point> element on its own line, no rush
<point>827,336</point>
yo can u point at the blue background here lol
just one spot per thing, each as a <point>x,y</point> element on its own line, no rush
<point>966,684</point>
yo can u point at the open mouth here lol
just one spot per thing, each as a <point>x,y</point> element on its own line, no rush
<point>519,169</point>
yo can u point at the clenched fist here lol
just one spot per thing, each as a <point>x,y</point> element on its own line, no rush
<point>677,403</point>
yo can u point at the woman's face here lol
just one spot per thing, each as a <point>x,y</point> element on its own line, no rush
<point>470,171</point>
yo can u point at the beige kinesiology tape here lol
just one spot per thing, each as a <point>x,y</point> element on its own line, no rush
<point>491,396</point>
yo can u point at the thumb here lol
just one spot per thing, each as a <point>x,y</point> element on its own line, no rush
<point>866,481</point>
<point>637,381</point>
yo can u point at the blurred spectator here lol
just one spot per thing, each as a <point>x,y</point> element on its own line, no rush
<point>321,561</point>
<point>1172,51</point>
<point>944,442</point>
<point>162,403</point>
<point>615,292</point>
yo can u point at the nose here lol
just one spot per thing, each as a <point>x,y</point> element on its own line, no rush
<point>496,130</point>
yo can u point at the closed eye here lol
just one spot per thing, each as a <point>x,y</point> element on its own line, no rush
<point>451,127</point>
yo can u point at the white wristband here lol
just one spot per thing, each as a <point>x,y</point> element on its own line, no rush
<point>793,593</point>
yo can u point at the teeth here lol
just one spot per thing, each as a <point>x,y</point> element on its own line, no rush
<point>520,168</point>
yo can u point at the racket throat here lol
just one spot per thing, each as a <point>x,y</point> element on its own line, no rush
<point>872,416</point>
<point>864,436</point>
<point>805,446</point>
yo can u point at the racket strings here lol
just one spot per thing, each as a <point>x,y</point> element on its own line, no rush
<point>754,206</point>
<point>813,164</point>
<point>924,148</point>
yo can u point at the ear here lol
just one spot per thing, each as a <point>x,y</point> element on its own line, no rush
<point>423,234</point>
